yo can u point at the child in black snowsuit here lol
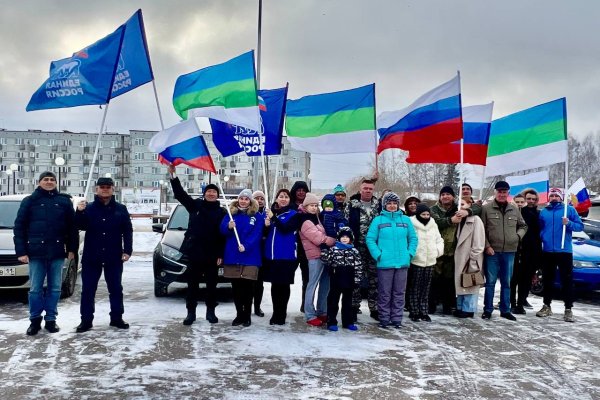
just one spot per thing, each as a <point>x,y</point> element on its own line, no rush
<point>345,269</point>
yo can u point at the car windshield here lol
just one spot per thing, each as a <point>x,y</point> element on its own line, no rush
<point>8,213</point>
<point>179,219</point>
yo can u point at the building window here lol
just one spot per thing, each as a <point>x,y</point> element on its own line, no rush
<point>82,183</point>
<point>281,173</point>
<point>155,156</point>
<point>155,170</point>
<point>138,156</point>
<point>139,141</point>
<point>155,184</point>
<point>51,142</point>
<point>3,140</point>
<point>297,174</point>
<point>19,141</point>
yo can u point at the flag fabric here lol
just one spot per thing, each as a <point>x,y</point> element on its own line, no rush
<point>435,118</point>
<point>83,79</point>
<point>579,196</point>
<point>183,144</point>
<point>134,68</point>
<point>333,123</point>
<point>232,139</point>
<point>528,139</point>
<point>539,181</point>
<point>225,92</point>
<point>476,131</point>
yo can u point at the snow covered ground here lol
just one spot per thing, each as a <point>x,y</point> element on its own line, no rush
<point>160,358</point>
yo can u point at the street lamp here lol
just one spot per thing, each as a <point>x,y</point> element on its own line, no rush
<point>8,174</point>
<point>160,187</point>
<point>226,179</point>
<point>59,161</point>
<point>14,167</point>
<point>107,175</point>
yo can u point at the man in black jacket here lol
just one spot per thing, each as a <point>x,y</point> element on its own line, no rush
<point>203,245</point>
<point>108,244</point>
<point>44,227</point>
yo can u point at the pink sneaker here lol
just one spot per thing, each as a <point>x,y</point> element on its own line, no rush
<point>314,322</point>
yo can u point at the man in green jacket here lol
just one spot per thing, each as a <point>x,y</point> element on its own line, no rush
<point>504,229</point>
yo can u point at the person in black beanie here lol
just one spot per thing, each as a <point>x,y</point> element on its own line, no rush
<point>297,195</point>
<point>203,244</point>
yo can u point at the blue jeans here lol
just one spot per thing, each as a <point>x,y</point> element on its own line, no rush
<point>498,266</point>
<point>317,275</point>
<point>467,302</point>
<point>44,300</point>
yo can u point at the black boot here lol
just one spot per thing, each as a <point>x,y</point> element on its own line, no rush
<point>191,317</point>
<point>258,311</point>
<point>35,326</point>
<point>375,315</point>
<point>238,320</point>
<point>51,326</point>
<point>247,321</point>
<point>210,315</point>
<point>119,323</point>
<point>84,326</point>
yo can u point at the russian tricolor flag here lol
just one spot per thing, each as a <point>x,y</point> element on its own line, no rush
<point>434,118</point>
<point>538,181</point>
<point>183,144</point>
<point>477,121</point>
<point>579,196</point>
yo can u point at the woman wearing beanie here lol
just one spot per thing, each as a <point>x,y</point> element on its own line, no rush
<point>280,253</point>
<point>430,247</point>
<point>312,234</point>
<point>259,287</point>
<point>241,262</point>
<point>392,242</point>
<point>469,251</point>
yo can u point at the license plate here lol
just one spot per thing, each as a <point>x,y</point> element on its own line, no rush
<point>8,271</point>
<point>221,271</point>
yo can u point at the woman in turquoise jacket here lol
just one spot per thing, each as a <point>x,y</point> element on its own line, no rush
<point>392,242</point>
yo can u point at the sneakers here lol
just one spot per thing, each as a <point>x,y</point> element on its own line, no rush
<point>84,326</point>
<point>546,311</point>
<point>191,317</point>
<point>333,328</point>
<point>119,323</point>
<point>51,326</point>
<point>508,316</point>
<point>397,325</point>
<point>314,322</point>
<point>35,326</point>
<point>518,310</point>
<point>569,315</point>
<point>352,327</point>
<point>486,315</point>
<point>322,318</point>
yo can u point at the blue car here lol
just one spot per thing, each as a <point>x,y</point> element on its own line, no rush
<point>586,266</point>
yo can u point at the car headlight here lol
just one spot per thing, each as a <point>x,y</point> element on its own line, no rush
<point>171,253</point>
<point>584,264</point>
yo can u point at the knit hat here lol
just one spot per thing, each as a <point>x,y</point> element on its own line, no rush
<point>258,193</point>
<point>328,201</point>
<point>339,189</point>
<point>210,186</point>
<point>345,231</point>
<point>46,174</point>
<point>558,192</point>
<point>245,193</point>
<point>447,189</point>
<point>310,199</point>
<point>390,196</point>
<point>421,208</point>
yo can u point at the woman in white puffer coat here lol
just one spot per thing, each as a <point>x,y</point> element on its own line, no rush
<point>430,247</point>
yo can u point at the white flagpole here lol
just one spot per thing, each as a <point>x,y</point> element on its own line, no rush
<point>237,237</point>
<point>89,180</point>
<point>565,201</point>
<point>482,184</point>
<point>276,176</point>
<point>162,125</point>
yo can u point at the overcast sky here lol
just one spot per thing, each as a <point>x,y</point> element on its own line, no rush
<point>515,53</point>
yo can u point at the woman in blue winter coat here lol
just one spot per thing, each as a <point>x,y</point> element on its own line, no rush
<point>241,262</point>
<point>280,253</point>
<point>392,242</point>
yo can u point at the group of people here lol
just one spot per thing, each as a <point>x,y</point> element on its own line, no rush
<point>413,259</point>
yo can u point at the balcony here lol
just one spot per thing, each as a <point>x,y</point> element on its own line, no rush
<point>21,147</point>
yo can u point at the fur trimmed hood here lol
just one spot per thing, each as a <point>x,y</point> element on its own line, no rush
<point>252,209</point>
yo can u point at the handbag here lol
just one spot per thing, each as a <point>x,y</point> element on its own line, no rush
<point>472,278</point>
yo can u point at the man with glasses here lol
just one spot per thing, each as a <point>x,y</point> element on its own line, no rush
<point>504,228</point>
<point>555,255</point>
<point>45,233</point>
<point>529,255</point>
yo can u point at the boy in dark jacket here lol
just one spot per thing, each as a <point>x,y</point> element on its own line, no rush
<point>345,269</point>
<point>332,218</point>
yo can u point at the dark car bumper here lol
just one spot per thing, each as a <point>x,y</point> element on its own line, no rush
<point>168,271</point>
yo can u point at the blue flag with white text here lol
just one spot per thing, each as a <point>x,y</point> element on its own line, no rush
<point>134,68</point>
<point>232,139</point>
<point>83,79</point>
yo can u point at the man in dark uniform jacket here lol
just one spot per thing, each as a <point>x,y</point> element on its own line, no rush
<point>44,227</point>
<point>203,245</point>
<point>108,244</point>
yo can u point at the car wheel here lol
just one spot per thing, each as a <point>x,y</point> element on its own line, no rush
<point>160,289</point>
<point>537,283</point>
<point>68,286</point>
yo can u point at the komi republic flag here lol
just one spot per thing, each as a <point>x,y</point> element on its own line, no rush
<point>232,139</point>
<point>333,123</point>
<point>225,92</point>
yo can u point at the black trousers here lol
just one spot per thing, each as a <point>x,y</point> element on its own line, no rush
<point>259,288</point>
<point>303,262</point>
<point>195,274</point>
<point>564,262</point>
<point>333,300</point>
<point>280,296</point>
<point>90,275</point>
<point>524,267</point>
<point>243,291</point>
